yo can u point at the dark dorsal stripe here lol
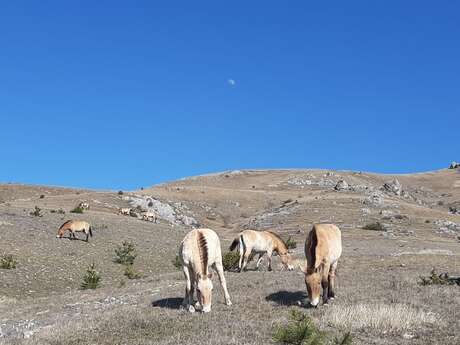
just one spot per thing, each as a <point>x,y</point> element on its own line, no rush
<point>69,221</point>
<point>313,244</point>
<point>279,239</point>
<point>203,250</point>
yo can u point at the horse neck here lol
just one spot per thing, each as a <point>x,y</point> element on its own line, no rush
<point>279,246</point>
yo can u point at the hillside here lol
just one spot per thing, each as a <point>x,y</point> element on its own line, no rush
<point>40,299</point>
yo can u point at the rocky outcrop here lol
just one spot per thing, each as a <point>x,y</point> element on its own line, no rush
<point>393,187</point>
<point>454,165</point>
<point>341,185</point>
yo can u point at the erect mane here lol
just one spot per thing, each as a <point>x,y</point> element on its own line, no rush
<point>67,222</point>
<point>313,243</point>
<point>203,250</point>
<point>279,239</point>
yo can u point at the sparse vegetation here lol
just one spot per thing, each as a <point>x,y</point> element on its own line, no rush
<point>299,331</point>
<point>131,273</point>
<point>126,253</point>
<point>77,209</point>
<point>439,279</point>
<point>59,211</point>
<point>120,192</point>
<point>291,243</point>
<point>37,212</point>
<point>176,262</point>
<point>377,226</point>
<point>42,196</point>
<point>91,279</point>
<point>150,204</point>
<point>7,262</point>
<point>230,261</point>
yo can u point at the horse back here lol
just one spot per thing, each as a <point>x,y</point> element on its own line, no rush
<point>323,245</point>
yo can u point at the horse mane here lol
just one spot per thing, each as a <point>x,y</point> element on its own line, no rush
<point>65,224</point>
<point>203,250</point>
<point>278,238</point>
<point>312,248</point>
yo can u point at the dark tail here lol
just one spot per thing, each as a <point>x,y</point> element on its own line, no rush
<point>90,232</point>
<point>234,243</point>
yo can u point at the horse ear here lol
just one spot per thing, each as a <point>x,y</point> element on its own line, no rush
<point>209,275</point>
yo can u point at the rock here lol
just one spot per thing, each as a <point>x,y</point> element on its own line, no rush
<point>366,211</point>
<point>341,185</point>
<point>446,226</point>
<point>393,187</point>
<point>454,165</point>
<point>454,210</point>
<point>375,199</point>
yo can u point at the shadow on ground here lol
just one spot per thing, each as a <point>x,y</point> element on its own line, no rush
<point>169,303</point>
<point>287,297</point>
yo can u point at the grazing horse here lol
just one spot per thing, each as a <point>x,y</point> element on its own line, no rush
<point>125,211</point>
<point>261,242</point>
<point>199,250</point>
<point>149,216</point>
<point>323,248</point>
<point>75,226</point>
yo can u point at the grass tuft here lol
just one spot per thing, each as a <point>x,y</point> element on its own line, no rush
<point>7,262</point>
<point>77,209</point>
<point>37,212</point>
<point>291,243</point>
<point>132,273</point>
<point>91,279</point>
<point>176,262</point>
<point>230,261</point>
<point>439,279</point>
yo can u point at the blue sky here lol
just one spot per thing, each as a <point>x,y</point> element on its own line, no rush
<point>119,95</point>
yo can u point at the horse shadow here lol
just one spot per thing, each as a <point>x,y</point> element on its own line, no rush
<point>288,298</point>
<point>168,303</point>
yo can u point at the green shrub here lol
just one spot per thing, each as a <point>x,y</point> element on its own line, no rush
<point>131,273</point>
<point>42,196</point>
<point>291,243</point>
<point>439,279</point>
<point>177,263</point>
<point>230,261</point>
<point>377,226</point>
<point>91,279</point>
<point>77,209</point>
<point>120,192</point>
<point>37,212</point>
<point>7,262</point>
<point>126,253</point>
<point>301,330</point>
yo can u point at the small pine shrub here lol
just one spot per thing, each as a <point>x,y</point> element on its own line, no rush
<point>42,196</point>
<point>299,331</point>
<point>120,192</point>
<point>230,261</point>
<point>150,204</point>
<point>291,243</point>
<point>77,209</point>
<point>37,212</point>
<point>131,273</point>
<point>91,279</point>
<point>7,262</point>
<point>177,262</point>
<point>126,253</point>
<point>377,226</point>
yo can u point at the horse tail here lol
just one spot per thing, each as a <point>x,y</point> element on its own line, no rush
<point>90,231</point>
<point>235,243</point>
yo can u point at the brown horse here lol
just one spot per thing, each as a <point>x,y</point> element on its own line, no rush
<point>75,226</point>
<point>261,242</point>
<point>323,248</point>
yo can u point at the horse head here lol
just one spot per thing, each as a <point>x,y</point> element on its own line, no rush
<point>204,291</point>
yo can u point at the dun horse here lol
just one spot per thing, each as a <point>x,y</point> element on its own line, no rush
<point>75,226</point>
<point>323,248</point>
<point>199,250</point>
<point>261,242</point>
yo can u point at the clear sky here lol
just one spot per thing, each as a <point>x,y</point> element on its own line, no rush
<point>119,95</point>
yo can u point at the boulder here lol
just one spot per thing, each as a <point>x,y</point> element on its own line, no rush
<point>393,187</point>
<point>454,165</point>
<point>341,185</point>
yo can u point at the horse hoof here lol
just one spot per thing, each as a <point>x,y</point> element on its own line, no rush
<point>191,309</point>
<point>229,303</point>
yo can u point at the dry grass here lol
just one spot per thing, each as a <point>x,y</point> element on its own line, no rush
<point>383,318</point>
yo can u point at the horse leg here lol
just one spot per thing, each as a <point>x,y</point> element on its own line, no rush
<point>325,283</point>
<point>241,252</point>
<point>87,235</point>
<point>261,255</point>
<point>246,256</point>
<point>331,278</point>
<point>269,254</point>
<point>187,303</point>
<point>220,272</point>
